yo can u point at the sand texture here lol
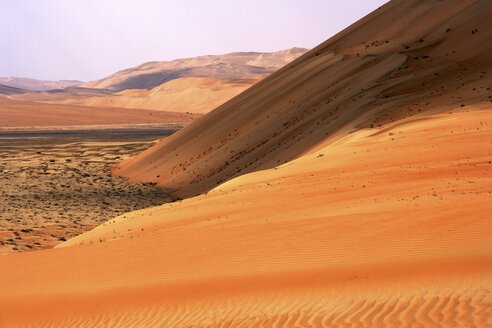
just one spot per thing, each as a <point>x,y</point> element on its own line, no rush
<point>351,188</point>
<point>384,228</point>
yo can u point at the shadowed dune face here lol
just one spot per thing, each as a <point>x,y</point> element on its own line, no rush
<point>377,71</point>
<point>148,80</point>
<point>386,227</point>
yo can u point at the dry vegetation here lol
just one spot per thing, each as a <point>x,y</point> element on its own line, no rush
<point>50,193</point>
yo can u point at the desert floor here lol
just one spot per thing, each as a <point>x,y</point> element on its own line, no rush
<point>56,184</point>
<point>387,227</point>
<point>350,188</point>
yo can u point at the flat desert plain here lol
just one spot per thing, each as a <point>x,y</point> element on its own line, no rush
<point>28,114</point>
<point>57,183</point>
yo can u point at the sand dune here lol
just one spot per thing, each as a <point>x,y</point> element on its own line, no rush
<point>33,114</point>
<point>385,228</point>
<point>237,65</point>
<point>350,188</point>
<point>377,71</point>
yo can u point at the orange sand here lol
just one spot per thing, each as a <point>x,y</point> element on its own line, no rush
<point>350,188</point>
<point>14,113</point>
<point>386,227</point>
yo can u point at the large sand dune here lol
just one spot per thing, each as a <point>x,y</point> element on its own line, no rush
<point>399,61</point>
<point>351,188</point>
<point>385,228</point>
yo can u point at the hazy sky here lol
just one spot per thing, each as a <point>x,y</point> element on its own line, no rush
<point>89,39</point>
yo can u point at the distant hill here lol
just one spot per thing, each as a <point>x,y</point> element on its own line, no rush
<point>180,90</point>
<point>36,85</point>
<point>196,85</point>
<point>237,65</point>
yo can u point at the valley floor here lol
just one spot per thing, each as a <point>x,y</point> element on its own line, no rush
<point>57,184</point>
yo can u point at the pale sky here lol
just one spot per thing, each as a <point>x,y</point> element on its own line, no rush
<point>89,39</point>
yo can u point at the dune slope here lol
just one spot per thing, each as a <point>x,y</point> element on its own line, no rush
<point>397,62</point>
<point>387,227</point>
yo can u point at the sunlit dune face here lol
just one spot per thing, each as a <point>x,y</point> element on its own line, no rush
<point>350,188</point>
